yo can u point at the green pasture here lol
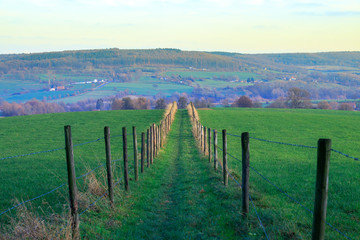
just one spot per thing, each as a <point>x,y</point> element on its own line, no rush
<point>149,87</point>
<point>96,94</point>
<point>26,177</point>
<point>210,83</point>
<point>293,169</point>
<point>212,75</point>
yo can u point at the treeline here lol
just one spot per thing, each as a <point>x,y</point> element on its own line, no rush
<point>295,98</point>
<point>89,60</point>
<point>35,106</point>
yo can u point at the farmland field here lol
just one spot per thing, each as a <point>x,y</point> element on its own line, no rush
<point>26,177</point>
<point>293,169</point>
<point>211,75</point>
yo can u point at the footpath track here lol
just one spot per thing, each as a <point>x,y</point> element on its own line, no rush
<point>179,197</point>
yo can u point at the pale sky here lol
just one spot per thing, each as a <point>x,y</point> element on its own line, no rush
<point>245,26</point>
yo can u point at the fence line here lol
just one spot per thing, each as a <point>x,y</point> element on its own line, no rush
<point>158,135</point>
<point>323,158</point>
<point>287,195</point>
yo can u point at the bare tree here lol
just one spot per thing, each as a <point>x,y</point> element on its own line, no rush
<point>298,98</point>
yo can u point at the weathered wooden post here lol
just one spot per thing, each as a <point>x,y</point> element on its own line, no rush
<point>245,172</point>
<point>151,146</point>
<point>148,147</point>
<point>72,183</point>
<point>136,163</point>
<point>154,141</point>
<point>108,164</point>
<point>225,168</point>
<point>205,140</point>
<point>215,150</point>
<point>209,144</point>
<point>161,135</point>
<point>125,156</point>
<point>321,190</point>
<point>142,151</point>
<point>201,138</point>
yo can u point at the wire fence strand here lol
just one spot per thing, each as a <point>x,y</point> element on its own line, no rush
<point>32,199</point>
<point>346,155</point>
<point>53,190</point>
<point>34,153</point>
<point>282,143</point>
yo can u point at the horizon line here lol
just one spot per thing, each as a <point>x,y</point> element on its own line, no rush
<point>167,48</point>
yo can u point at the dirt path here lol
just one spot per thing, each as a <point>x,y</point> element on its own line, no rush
<point>180,196</point>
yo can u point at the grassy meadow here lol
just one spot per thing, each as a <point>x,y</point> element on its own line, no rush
<point>293,169</point>
<point>26,177</point>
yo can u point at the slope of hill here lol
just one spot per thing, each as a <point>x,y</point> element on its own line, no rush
<point>331,75</point>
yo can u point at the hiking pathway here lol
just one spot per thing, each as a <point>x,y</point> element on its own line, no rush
<point>179,197</point>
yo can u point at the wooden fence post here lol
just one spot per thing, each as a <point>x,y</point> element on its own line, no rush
<point>209,144</point>
<point>161,135</point>
<point>154,141</point>
<point>225,168</point>
<point>108,164</point>
<point>148,147</point>
<point>125,156</point>
<point>136,163</point>
<point>215,150</point>
<point>205,141</point>
<point>202,138</point>
<point>321,190</point>
<point>151,146</point>
<point>72,183</point>
<point>142,151</point>
<point>245,172</point>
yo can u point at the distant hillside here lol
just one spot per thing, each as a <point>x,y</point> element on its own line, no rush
<point>87,60</point>
<point>109,58</point>
<point>168,72</point>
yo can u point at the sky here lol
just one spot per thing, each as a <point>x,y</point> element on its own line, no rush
<point>244,26</point>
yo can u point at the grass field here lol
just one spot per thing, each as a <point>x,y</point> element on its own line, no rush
<point>149,87</point>
<point>212,75</point>
<point>26,177</point>
<point>293,169</point>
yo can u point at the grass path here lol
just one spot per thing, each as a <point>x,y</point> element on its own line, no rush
<point>179,197</point>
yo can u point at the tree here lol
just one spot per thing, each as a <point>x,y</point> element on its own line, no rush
<point>278,103</point>
<point>100,104</point>
<point>141,103</point>
<point>346,107</point>
<point>128,103</point>
<point>160,104</point>
<point>182,102</point>
<point>243,101</point>
<point>117,104</point>
<point>323,105</point>
<point>298,98</point>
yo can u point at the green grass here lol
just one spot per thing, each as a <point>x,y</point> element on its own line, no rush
<point>292,168</point>
<point>211,75</point>
<point>26,177</point>
<point>96,94</point>
<point>179,197</point>
<point>149,87</point>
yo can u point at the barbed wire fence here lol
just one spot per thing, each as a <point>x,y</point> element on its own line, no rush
<point>206,143</point>
<point>151,141</point>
